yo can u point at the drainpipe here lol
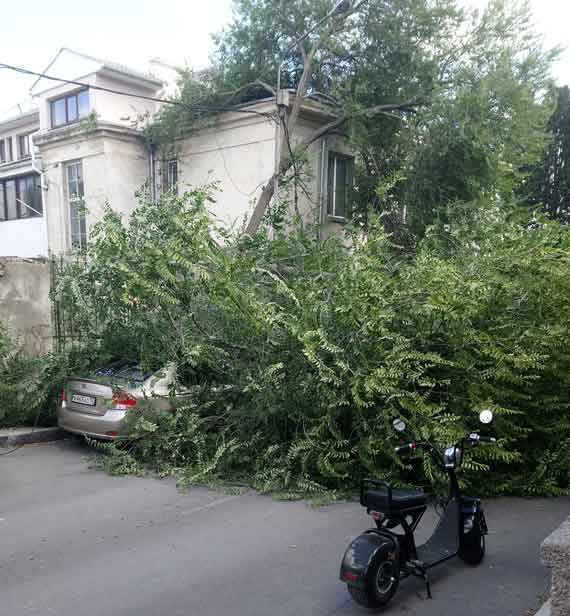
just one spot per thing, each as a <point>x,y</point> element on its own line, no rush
<point>43,184</point>
<point>322,204</point>
<point>152,171</point>
<point>35,166</point>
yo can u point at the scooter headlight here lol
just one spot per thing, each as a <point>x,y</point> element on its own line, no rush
<point>452,457</point>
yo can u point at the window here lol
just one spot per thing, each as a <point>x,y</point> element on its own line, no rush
<point>9,149</point>
<point>30,196</point>
<point>2,151</point>
<point>171,176</point>
<point>76,196</point>
<point>70,108</point>
<point>24,146</point>
<point>340,180</point>
<point>20,198</point>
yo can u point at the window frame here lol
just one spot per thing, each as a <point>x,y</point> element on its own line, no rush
<point>25,138</point>
<point>170,180</point>
<point>332,190</point>
<point>2,151</point>
<point>74,202</point>
<point>18,179</point>
<point>66,98</point>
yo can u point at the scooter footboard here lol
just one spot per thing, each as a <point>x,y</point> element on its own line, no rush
<point>361,553</point>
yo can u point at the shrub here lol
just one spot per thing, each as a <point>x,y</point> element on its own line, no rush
<point>29,385</point>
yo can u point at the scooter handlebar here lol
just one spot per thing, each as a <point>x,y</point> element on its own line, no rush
<point>405,448</point>
<point>477,438</point>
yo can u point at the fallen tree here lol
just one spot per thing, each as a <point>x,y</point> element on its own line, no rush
<point>300,353</point>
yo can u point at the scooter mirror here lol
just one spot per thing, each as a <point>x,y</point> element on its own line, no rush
<point>399,425</point>
<point>486,416</point>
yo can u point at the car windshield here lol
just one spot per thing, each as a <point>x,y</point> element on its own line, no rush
<point>123,371</point>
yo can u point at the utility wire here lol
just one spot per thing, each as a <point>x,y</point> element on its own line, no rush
<point>169,101</point>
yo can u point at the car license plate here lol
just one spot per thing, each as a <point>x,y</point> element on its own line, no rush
<point>89,400</point>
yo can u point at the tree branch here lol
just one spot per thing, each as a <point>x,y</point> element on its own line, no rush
<point>389,109</point>
<point>257,82</point>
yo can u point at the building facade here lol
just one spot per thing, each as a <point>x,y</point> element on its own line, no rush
<point>82,147</point>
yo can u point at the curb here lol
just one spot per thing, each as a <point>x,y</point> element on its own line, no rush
<point>26,436</point>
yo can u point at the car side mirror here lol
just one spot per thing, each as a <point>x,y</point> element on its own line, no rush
<point>399,425</point>
<point>486,416</point>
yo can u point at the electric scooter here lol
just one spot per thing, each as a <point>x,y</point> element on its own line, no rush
<point>378,559</point>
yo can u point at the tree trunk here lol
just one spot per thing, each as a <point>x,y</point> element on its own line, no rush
<point>261,206</point>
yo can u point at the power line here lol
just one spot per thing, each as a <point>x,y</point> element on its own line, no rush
<point>169,101</point>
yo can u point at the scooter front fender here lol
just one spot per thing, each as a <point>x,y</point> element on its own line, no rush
<point>361,553</point>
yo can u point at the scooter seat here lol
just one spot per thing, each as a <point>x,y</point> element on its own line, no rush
<point>401,500</point>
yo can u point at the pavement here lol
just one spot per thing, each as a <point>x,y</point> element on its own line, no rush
<point>14,437</point>
<point>78,542</point>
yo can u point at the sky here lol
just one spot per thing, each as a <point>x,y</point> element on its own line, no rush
<point>178,31</point>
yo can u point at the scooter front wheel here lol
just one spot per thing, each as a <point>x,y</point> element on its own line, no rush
<point>381,584</point>
<point>472,548</point>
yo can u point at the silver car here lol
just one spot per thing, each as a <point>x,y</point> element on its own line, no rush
<point>96,406</point>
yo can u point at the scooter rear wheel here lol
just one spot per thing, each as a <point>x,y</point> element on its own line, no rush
<point>381,584</point>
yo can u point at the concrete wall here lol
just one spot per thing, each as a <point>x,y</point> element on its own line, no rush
<point>24,303</point>
<point>52,92</point>
<point>239,154</point>
<point>123,110</point>
<point>109,107</point>
<point>115,166</point>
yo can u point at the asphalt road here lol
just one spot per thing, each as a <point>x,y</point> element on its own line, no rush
<point>77,542</point>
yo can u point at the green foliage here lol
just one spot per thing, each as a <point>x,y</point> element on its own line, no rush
<point>549,183</point>
<point>29,385</point>
<point>298,354</point>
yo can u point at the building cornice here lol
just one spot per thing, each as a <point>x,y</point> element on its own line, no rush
<point>80,132</point>
<point>24,119</point>
<point>16,167</point>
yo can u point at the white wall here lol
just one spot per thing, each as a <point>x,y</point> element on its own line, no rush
<point>239,155</point>
<point>120,109</point>
<point>43,99</point>
<point>23,238</point>
<point>109,107</point>
<point>115,166</point>
<point>25,127</point>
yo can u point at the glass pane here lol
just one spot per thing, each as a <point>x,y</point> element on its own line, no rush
<point>23,199</point>
<point>75,228</point>
<point>2,205</point>
<point>72,172</point>
<point>11,200</point>
<point>72,109</point>
<point>340,187</point>
<point>58,112</point>
<point>76,206</point>
<point>83,103</point>
<point>2,151</point>
<point>31,196</point>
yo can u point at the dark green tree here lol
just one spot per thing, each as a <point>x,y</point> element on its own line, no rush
<point>550,181</point>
